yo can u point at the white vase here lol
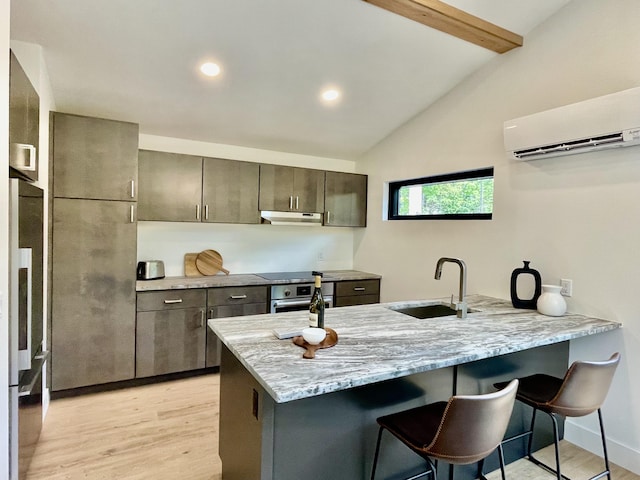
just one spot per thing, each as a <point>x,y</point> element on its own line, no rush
<point>551,302</point>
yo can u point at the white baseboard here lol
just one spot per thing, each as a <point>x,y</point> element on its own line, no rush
<point>620,454</point>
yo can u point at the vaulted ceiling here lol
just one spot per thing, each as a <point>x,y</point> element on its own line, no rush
<point>139,61</point>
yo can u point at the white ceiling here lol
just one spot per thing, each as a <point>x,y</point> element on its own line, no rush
<point>137,60</point>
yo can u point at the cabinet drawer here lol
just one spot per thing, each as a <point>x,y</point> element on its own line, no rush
<point>223,311</point>
<point>358,287</point>
<point>357,300</point>
<point>171,299</point>
<point>236,295</point>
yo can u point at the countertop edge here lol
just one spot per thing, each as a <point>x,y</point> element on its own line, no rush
<point>240,280</point>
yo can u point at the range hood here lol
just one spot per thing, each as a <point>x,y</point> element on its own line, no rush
<point>291,218</point>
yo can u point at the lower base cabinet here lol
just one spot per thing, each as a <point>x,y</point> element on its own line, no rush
<point>170,332</point>
<point>357,292</point>
<point>171,326</point>
<point>231,302</point>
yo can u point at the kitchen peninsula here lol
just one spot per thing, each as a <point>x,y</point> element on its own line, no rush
<point>285,417</point>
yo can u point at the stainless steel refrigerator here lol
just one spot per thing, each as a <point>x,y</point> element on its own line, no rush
<point>26,356</point>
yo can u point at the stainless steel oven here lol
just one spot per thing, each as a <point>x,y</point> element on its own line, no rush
<point>297,296</point>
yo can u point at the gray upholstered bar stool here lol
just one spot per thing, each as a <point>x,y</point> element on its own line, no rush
<point>582,391</point>
<point>464,430</point>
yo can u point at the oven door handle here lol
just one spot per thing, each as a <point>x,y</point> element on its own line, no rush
<point>291,303</point>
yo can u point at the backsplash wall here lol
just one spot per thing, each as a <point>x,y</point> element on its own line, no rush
<point>248,248</point>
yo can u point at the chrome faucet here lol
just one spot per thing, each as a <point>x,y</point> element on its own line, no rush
<point>461,305</point>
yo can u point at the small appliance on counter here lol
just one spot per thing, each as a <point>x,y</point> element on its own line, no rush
<point>150,270</point>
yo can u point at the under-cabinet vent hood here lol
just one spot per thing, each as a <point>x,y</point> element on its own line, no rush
<point>604,122</point>
<point>291,218</point>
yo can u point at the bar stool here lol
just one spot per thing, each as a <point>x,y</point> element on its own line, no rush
<point>582,391</point>
<point>464,430</point>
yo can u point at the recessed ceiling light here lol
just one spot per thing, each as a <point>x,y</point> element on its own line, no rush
<point>210,69</point>
<point>330,95</point>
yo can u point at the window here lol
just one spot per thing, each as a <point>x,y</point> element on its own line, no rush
<point>461,195</point>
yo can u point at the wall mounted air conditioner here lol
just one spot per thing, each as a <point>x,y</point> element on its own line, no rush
<point>603,122</point>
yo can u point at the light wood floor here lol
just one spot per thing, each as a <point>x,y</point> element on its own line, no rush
<point>162,431</point>
<point>576,463</point>
<point>170,431</point>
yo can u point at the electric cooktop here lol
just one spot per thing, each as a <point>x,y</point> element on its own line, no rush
<point>291,276</point>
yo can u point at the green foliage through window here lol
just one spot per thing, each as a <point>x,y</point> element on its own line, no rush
<point>456,195</point>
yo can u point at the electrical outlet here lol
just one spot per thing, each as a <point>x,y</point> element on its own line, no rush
<point>567,287</point>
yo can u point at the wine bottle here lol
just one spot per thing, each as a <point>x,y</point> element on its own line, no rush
<point>316,307</point>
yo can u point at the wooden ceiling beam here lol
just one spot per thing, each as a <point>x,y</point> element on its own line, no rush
<point>456,22</point>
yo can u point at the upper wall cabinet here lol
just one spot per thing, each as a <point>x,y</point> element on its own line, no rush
<point>345,200</point>
<point>291,189</point>
<point>187,188</point>
<point>94,158</point>
<point>170,187</point>
<point>230,191</point>
<point>24,121</point>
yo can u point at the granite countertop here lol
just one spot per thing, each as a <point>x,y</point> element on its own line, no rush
<point>240,280</point>
<point>377,344</point>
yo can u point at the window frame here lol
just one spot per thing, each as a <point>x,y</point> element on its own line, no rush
<point>394,190</point>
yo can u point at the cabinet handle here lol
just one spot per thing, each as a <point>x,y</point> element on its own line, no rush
<point>297,202</point>
<point>133,189</point>
<point>328,217</point>
<point>132,218</point>
<point>170,302</point>
<point>290,202</point>
<point>359,289</point>
<point>211,313</point>
<point>206,212</point>
<point>237,297</point>
<point>197,212</point>
<point>30,163</point>
<point>201,318</point>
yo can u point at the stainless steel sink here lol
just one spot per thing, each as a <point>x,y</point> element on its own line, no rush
<point>427,311</point>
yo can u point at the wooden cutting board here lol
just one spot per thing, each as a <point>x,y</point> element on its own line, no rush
<point>330,340</point>
<point>190,269</point>
<point>209,262</point>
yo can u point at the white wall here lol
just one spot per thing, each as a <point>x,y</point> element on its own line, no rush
<point>574,217</point>
<point>246,248</point>
<point>4,239</point>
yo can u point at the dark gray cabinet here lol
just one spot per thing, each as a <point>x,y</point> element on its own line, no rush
<point>187,188</point>
<point>24,121</point>
<point>230,191</point>
<point>94,158</point>
<point>357,292</point>
<point>345,200</point>
<point>93,292</point>
<point>291,189</point>
<point>93,251</point>
<point>232,302</point>
<point>170,332</point>
<point>170,187</point>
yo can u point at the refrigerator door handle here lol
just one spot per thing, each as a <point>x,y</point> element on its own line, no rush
<point>25,262</point>
<point>32,377</point>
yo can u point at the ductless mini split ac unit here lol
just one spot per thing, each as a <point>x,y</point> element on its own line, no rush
<point>599,123</point>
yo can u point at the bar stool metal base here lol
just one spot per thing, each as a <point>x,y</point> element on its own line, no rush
<point>606,472</point>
